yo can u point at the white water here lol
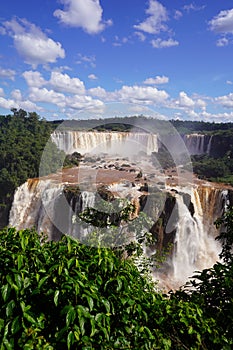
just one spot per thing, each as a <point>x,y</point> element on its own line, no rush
<point>37,204</point>
<point>96,142</point>
<point>195,247</point>
<point>198,143</point>
<point>33,205</point>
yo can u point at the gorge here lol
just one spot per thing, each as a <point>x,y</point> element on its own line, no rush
<point>118,165</point>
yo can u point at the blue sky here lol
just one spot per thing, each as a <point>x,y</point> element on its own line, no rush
<point>89,58</point>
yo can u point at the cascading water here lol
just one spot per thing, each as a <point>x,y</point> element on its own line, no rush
<point>97,142</point>
<point>195,247</point>
<point>30,201</point>
<point>198,143</point>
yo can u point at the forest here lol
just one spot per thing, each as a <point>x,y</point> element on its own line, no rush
<point>67,295</point>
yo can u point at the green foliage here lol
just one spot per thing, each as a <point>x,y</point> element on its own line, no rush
<point>65,295</point>
<point>213,169</point>
<point>72,160</point>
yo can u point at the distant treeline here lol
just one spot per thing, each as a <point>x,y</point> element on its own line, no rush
<point>145,124</point>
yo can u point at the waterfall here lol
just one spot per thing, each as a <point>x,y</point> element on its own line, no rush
<point>198,143</point>
<point>209,145</point>
<point>97,142</point>
<point>195,247</point>
<point>41,204</point>
<point>33,201</point>
<point>53,208</point>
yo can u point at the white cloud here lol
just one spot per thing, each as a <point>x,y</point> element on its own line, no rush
<point>141,94</point>
<point>154,23</point>
<point>92,77</point>
<point>193,7</point>
<point>140,36</point>
<point>189,104</point>
<point>223,22</point>
<point>185,101</point>
<point>49,96</point>
<point>229,82</point>
<point>178,14</point>
<point>7,104</point>
<point>98,92</point>
<point>86,14</point>
<point>156,81</point>
<point>83,102</point>
<point>2,93</point>
<point>89,60</point>
<point>34,78</point>
<point>16,95</point>
<point>225,101</point>
<point>222,42</point>
<point>32,44</point>
<point>63,83</point>
<point>159,43</point>
<point>7,73</point>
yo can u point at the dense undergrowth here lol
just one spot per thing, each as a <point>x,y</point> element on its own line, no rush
<point>65,295</point>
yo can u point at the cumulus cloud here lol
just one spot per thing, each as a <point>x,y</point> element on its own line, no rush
<point>189,104</point>
<point>32,44</point>
<point>223,22</point>
<point>48,96</point>
<point>140,94</point>
<point>64,83</point>
<point>92,77</point>
<point>7,73</point>
<point>34,78</point>
<point>225,101</point>
<point>160,44</point>
<point>156,81</point>
<point>185,101</point>
<point>16,95</point>
<point>86,14</point>
<point>7,103</point>
<point>222,42</point>
<point>155,22</point>
<point>98,92</point>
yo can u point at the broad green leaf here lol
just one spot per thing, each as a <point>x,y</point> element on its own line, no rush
<point>5,292</point>
<point>9,308</point>
<point>82,324</point>
<point>1,324</point>
<point>119,282</point>
<point>90,302</point>
<point>16,325</point>
<point>70,339</point>
<point>42,281</point>
<point>18,281</point>
<point>70,316</point>
<point>107,305</point>
<point>20,261</point>
<point>29,317</point>
<point>56,295</point>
